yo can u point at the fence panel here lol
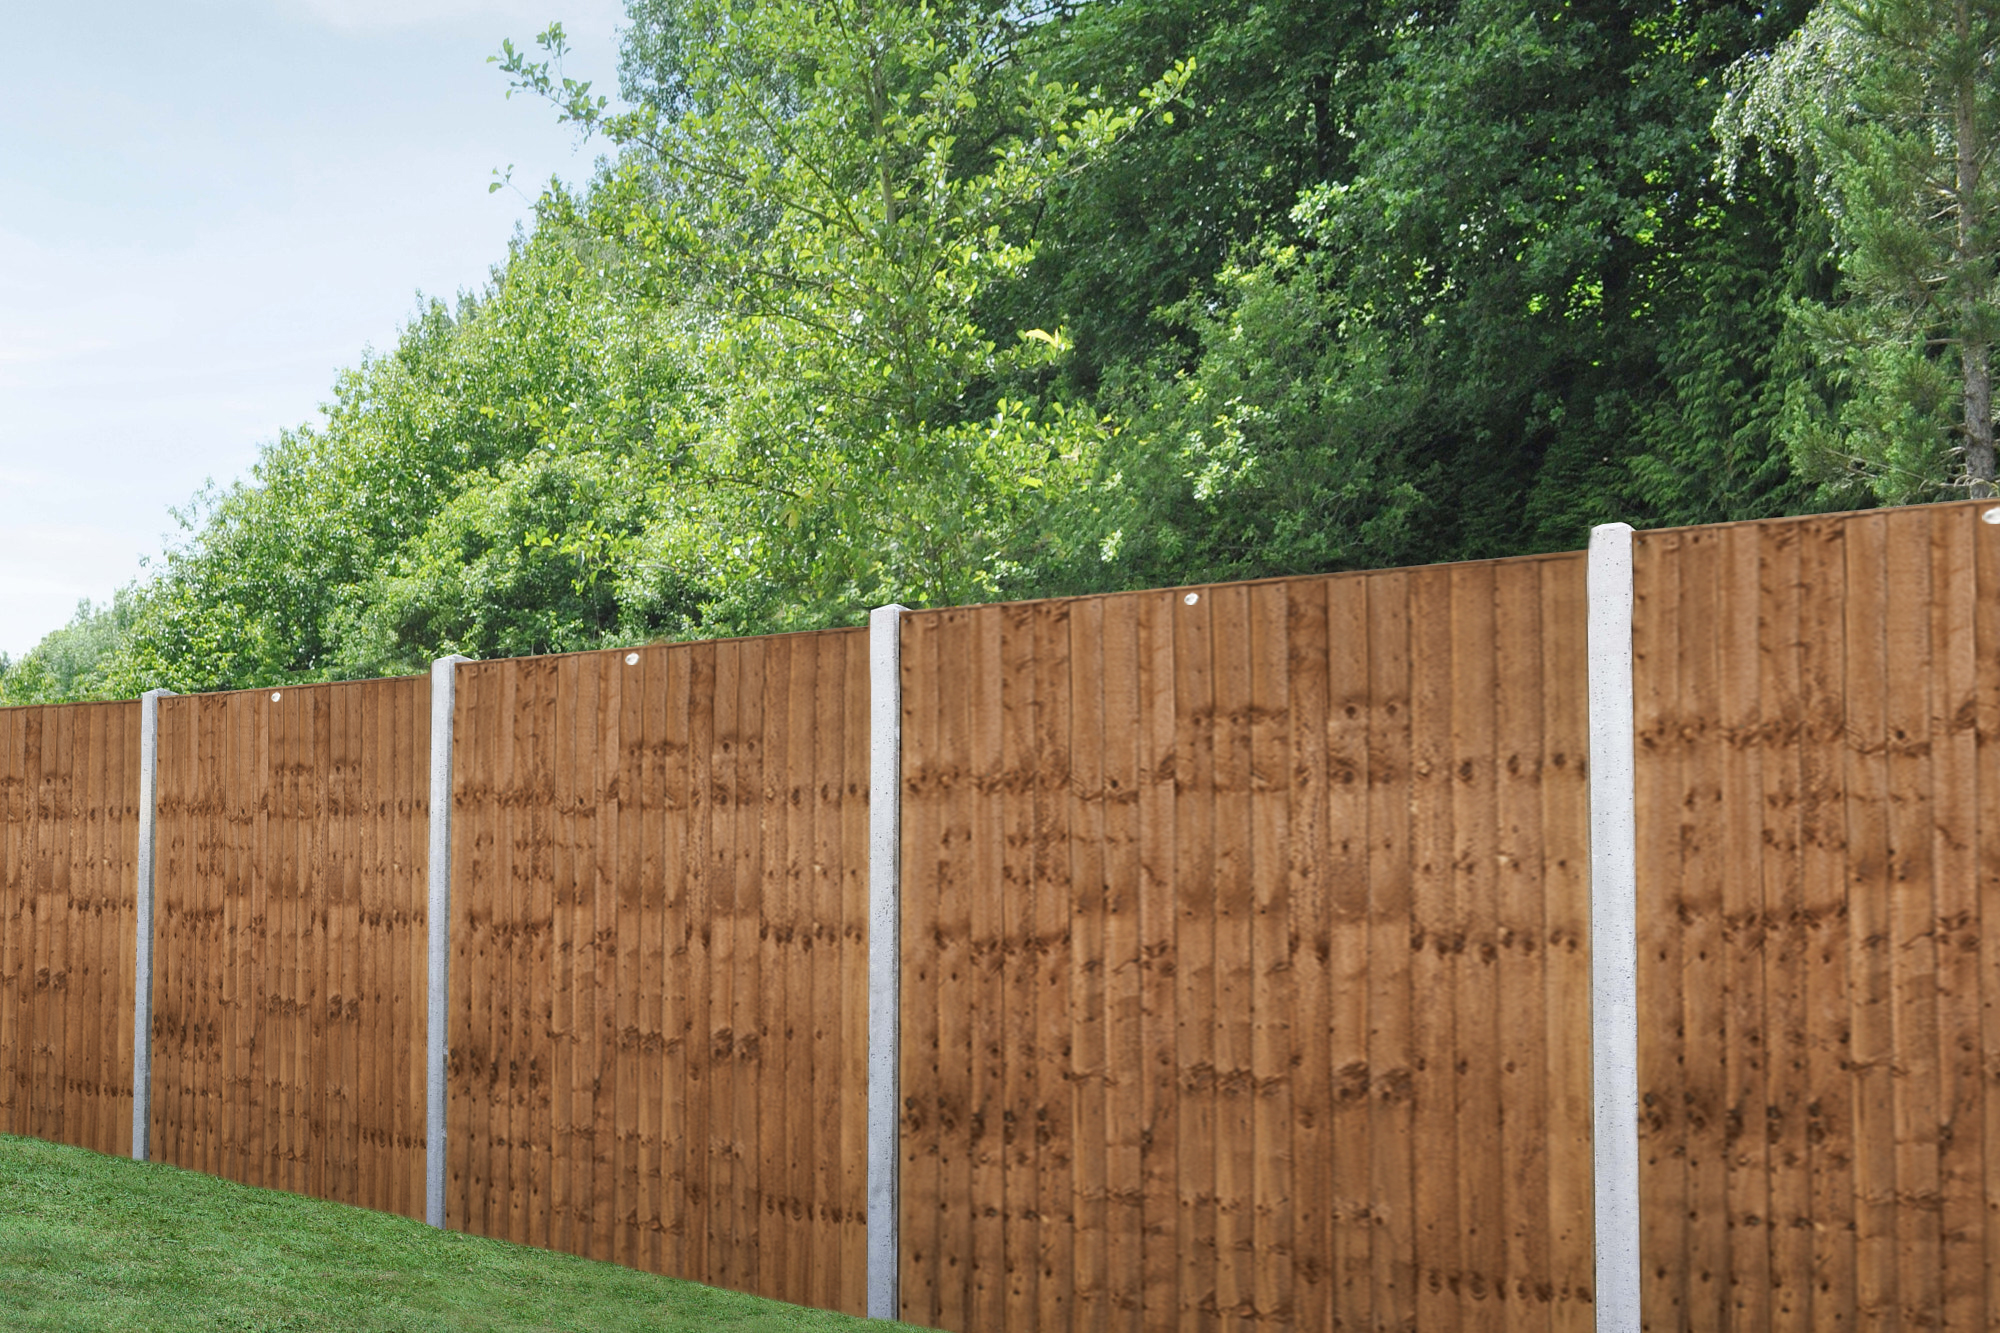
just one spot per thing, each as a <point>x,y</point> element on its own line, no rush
<point>69,796</point>
<point>659,971</point>
<point>1818,718</point>
<point>1245,956</point>
<point>290,922</point>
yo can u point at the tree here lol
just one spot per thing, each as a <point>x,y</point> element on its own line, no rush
<point>1891,110</point>
<point>829,189</point>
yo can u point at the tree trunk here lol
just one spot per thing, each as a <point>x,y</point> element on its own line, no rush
<point>1973,351</point>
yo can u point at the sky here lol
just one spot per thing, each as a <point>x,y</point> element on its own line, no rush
<point>207,209</point>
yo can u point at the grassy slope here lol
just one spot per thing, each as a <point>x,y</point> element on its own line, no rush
<point>97,1243</point>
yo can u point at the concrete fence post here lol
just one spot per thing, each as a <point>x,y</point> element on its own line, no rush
<point>885,951</point>
<point>1614,930</point>
<point>444,698</point>
<point>142,953</point>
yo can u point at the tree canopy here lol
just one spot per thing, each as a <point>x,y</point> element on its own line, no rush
<point>940,301</point>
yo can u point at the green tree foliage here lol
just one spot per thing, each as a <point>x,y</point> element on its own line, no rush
<point>1891,110</point>
<point>829,189</point>
<point>947,301</point>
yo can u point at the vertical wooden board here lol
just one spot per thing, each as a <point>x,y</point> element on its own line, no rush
<point>630,758</point>
<point>1235,1146</point>
<point>214,752</point>
<point>1870,995</point>
<point>747,988</point>
<point>414,697</point>
<point>678,802</point>
<point>539,802</point>
<point>1566,924</point>
<point>698,1023</point>
<point>1019,1038</point>
<point>356,1055</point>
<point>765,1146</point>
<point>655,889</point>
<point>1272,999</point>
<point>169,1003</point>
<point>801,1114</point>
<point>1703,1035</point>
<point>1049,933</point>
<point>489,1011</point>
<point>1746,932</point>
<point>1436,941</point>
<point>1823,832</point>
<point>1125,1053</point>
<point>725,750</point>
<point>316,869</point>
<point>589,1210</point>
<point>1160,1278</point>
<point>1395,1275</point>
<point>986,1298</point>
<point>769,1147</point>
<point>1322,772</point>
<point>1953,720</point>
<point>561,1036</point>
<point>1194,972</point>
<point>833,1094</point>
<point>63,878</point>
<point>1986,851</point>
<point>1910,675</point>
<point>1658,747</point>
<point>13,821</point>
<point>249,798</point>
<point>931,968</point>
<point>1086,964</point>
<point>854,956</point>
<point>1478,1112</point>
<point>520,709</point>
<point>1786,932</point>
<point>1520,973</point>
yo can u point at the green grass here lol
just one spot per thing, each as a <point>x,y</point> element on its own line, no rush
<point>89,1242</point>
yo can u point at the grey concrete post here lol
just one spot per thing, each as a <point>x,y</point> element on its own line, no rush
<point>885,786</point>
<point>1614,930</point>
<point>444,679</point>
<point>142,953</point>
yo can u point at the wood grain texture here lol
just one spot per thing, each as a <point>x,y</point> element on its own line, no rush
<point>1815,847</point>
<point>290,900</point>
<point>69,796</point>
<point>659,944</point>
<point>1281,855</point>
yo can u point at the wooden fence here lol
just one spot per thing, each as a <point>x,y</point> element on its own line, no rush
<point>1818,734</point>
<point>1243,957</point>
<point>289,984</point>
<point>69,806</point>
<point>659,983</point>
<point>1245,945</point>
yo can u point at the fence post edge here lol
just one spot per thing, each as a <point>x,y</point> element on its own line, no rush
<point>437,923</point>
<point>885,783</point>
<point>142,951</point>
<point>1614,941</point>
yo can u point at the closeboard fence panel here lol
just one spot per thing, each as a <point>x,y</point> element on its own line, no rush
<point>69,796</point>
<point>1818,741</point>
<point>1246,980</point>
<point>290,917</point>
<point>659,968</point>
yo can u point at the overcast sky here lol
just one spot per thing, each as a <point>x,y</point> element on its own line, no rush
<point>207,208</point>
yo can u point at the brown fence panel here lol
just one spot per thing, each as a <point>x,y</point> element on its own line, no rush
<point>1818,723</point>
<point>659,970</point>
<point>289,981</point>
<point>69,797</point>
<point>1245,979</point>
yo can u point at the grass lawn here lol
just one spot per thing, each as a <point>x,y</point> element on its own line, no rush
<point>93,1242</point>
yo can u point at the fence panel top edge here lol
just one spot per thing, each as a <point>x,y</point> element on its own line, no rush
<point>669,645</point>
<point>20,709</point>
<point>1641,535</point>
<point>1541,557</point>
